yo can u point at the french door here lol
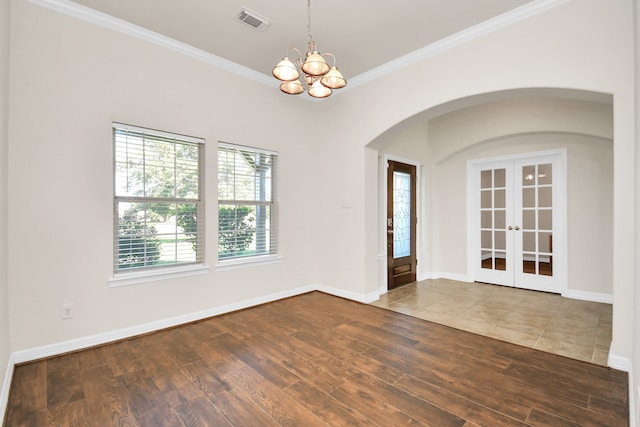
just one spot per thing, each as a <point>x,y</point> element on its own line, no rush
<point>518,228</point>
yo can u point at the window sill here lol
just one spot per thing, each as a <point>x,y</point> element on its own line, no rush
<point>126,279</point>
<point>234,264</point>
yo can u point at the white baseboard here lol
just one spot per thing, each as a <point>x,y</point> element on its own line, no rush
<point>6,385</point>
<point>588,296</point>
<point>50,350</point>
<point>103,338</point>
<point>363,298</point>
<point>444,275</point>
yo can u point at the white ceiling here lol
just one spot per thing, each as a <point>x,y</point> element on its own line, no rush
<point>362,34</point>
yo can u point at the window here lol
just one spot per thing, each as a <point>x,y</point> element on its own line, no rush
<point>247,208</point>
<point>158,206</point>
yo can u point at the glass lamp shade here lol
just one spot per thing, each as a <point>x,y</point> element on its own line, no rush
<point>315,65</point>
<point>317,90</point>
<point>285,71</point>
<point>333,79</point>
<point>293,87</point>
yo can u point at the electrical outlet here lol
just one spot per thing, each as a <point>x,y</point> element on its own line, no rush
<point>67,311</point>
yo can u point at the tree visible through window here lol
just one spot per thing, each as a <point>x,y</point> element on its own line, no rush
<point>247,209</point>
<point>158,209</point>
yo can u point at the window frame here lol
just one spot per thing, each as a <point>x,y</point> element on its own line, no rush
<point>273,255</point>
<point>128,276</point>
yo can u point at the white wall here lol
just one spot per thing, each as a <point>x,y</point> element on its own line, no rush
<point>70,80</point>
<point>4,104</point>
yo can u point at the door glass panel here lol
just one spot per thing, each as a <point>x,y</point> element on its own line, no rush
<point>499,178</point>
<point>486,201</point>
<point>500,217</point>
<point>501,261</point>
<point>485,219</point>
<point>529,219</point>
<point>545,221</point>
<point>486,258</point>
<point>529,241</point>
<point>544,174</point>
<point>499,199</point>
<point>485,179</point>
<point>487,241</point>
<point>528,197</point>
<point>529,264</point>
<point>528,175</point>
<point>401,214</point>
<point>544,197</point>
<point>544,242</point>
<point>501,240</point>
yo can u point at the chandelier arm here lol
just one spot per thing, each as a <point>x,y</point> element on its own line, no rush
<point>297,61</point>
<point>332,56</point>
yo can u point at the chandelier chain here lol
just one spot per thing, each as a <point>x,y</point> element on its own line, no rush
<point>309,38</point>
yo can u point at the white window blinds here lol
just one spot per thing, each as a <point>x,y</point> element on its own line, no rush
<point>247,203</point>
<point>158,205</point>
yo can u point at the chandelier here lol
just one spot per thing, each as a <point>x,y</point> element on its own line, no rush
<point>320,78</point>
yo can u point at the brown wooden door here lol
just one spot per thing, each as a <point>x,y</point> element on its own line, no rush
<point>401,224</point>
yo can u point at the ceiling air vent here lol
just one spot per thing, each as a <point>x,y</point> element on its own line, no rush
<point>252,19</point>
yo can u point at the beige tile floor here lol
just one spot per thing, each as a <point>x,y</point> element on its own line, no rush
<point>548,322</point>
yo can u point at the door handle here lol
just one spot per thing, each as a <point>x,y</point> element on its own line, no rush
<point>517,227</point>
<point>510,228</point>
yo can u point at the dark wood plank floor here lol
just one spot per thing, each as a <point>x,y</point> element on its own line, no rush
<point>314,360</point>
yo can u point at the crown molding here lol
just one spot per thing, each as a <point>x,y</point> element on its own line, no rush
<point>87,14</point>
<point>508,18</point>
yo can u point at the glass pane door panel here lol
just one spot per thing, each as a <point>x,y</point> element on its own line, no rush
<point>486,179</point>
<point>486,199</point>
<point>528,220</point>
<point>493,239</point>
<point>500,240</point>
<point>499,199</point>
<point>486,219</point>
<point>528,197</point>
<point>544,174</point>
<point>544,197</point>
<point>401,214</point>
<point>545,219</point>
<point>500,220</point>
<point>537,219</point>
<point>499,178</point>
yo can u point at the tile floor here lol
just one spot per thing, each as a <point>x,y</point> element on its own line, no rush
<point>573,328</point>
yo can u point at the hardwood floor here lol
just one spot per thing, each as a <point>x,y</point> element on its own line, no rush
<point>313,360</point>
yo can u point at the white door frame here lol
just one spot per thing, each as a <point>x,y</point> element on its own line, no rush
<point>559,203</point>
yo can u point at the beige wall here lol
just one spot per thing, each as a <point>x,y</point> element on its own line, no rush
<point>4,104</point>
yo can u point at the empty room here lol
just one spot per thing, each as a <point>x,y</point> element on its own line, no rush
<point>319,212</point>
